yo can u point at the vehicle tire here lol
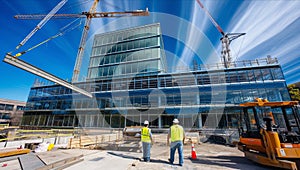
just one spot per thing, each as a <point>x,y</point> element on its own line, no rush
<point>297,163</point>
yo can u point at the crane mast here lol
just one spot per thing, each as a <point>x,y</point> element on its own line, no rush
<point>83,41</point>
<point>225,40</point>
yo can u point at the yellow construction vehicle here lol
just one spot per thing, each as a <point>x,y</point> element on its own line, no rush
<point>270,133</point>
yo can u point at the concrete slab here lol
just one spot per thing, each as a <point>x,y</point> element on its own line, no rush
<point>12,164</point>
<point>30,161</point>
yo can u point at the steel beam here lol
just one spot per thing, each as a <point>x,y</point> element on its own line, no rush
<point>34,70</point>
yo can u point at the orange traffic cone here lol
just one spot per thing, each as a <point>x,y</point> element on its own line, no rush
<point>194,156</point>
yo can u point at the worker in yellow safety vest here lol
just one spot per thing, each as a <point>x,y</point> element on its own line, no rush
<point>177,135</point>
<point>146,138</point>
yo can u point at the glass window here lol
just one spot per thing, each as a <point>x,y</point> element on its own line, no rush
<point>106,60</point>
<point>110,38</point>
<point>130,45</point>
<point>170,99</point>
<point>94,52</point>
<point>129,57</point>
<point>109,49</point>
<point>247,95</point>
<point>258,75</point>
<point>100,72</point>
<point>112,59</point>
<point>134,68</point>
<point>123,68</point>
<point>100,41</point>
<point>234,77</point>
<point>95,42</point>
<point>124,46</point>
<point>114,48</point>
<point>242,76</point>
<point>105,40</point>
<point>20,107</point>
<point>233,97</point>
<point>145,83</point>
<point>205,98</point>
<point>120,37</point>
<point>284,94</point>
<point>9,107</point>
<point>154,41</point>
<point>162,82</point>
<point>115,38</point>
<point>251,75</point>
<point>118,58</point>
<point>262,93</point>
<point>135,56</point>
<point>205,79</point>
<point>266,74</point>
<point>111,70</point>
<point>277,74</point>
<point>103,50</point>
<point>119,47</point>
<point>96,61</point>
<point>143,54</point>
<point>105,71</point>
<point>214,78</point>
<point>142,43</point>
<point>251,119</point>
<point>273,95</point>
<point>199,80</point>
<point>2,106</point>
<point>128,68</point>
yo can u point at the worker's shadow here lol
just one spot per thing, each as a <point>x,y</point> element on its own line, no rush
<point>123,156</point>
<point>136,158</point>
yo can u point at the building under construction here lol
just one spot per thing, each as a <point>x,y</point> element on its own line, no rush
<point>128,80</point>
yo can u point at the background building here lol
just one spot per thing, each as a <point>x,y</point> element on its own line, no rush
<point>128,79</point>
<point>11,111</point>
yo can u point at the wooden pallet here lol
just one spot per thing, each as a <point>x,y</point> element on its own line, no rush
<point>88,141</point>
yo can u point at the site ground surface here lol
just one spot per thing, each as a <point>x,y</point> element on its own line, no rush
<point>209,156</point>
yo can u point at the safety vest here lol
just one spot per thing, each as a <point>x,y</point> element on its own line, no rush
<point>145,135</point>
<point>176,133</point>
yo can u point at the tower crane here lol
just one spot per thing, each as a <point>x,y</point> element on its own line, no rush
<point>88,15</point>
<point>15,61</point>
<point>226,39</point>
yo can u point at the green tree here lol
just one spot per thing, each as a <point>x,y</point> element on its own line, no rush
<point>294,92</point>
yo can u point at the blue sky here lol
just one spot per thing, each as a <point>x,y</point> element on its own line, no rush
<point>271,27</point>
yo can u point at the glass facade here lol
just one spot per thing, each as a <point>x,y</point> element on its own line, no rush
<point>126,52</point>
<point>125,95</point>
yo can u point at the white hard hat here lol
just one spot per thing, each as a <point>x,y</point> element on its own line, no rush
<point>146,122</point>
<point>175,121</point>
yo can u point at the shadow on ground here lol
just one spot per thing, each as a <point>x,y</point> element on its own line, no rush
<point>236,162</point>
<point>137,158</point>
<point>124,156</point>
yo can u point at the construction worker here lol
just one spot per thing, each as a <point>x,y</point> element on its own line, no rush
<point>177,135</point>
<point>146,138</point>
